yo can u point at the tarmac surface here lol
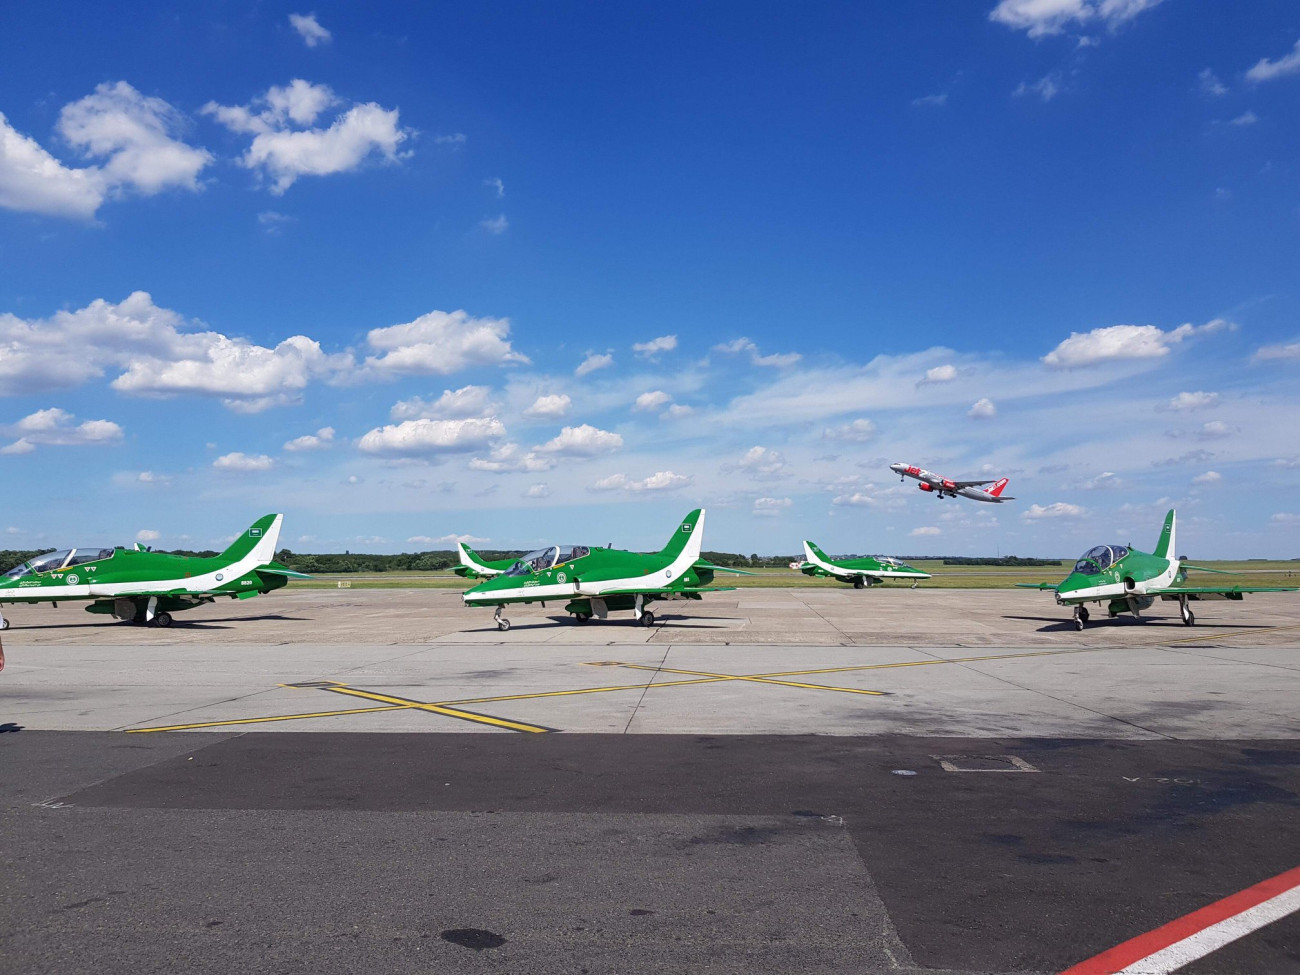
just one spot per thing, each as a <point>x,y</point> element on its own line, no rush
<point>767,781</point>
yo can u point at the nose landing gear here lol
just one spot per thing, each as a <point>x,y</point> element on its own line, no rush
<point>1185,611</point>
<point>1080,616</point>
<point>503,624</point>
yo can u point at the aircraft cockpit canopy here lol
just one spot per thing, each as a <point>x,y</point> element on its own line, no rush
<point>886,560</point>
<point>546,558</point>
<point>1099,558</point>
<point>53,561</point>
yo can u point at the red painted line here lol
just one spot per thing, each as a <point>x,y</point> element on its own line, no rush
<point>1144,945</point>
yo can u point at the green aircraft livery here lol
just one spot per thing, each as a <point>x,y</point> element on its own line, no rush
<point>594,581</point>
<point>472,566</point>
<point>1129,581</point>
<point>147,587</point>
<point>861,572</point>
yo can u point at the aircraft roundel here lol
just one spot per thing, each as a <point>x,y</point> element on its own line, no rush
<point>561,577</point>
<point>73,579</point>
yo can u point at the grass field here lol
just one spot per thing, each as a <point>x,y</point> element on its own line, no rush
<point>944,577</point>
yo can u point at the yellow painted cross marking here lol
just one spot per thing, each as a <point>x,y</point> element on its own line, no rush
<point>441,709</point>
<point>454,709</point>
<point>278,717</point>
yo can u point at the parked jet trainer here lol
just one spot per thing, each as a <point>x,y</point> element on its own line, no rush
<point>1129,581</point>
<point>941,487</point>
<point>863,572</point>
<point>147,587</point>
<point>473,567</point>
<point>597,580</point>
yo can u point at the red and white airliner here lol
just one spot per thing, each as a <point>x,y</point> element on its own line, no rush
<point>944,488</point>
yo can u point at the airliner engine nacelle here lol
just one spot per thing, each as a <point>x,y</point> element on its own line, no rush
<point>925,487</point>
<point>949,485</point>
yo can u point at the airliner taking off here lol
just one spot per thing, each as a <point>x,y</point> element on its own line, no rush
<point>942,487</point>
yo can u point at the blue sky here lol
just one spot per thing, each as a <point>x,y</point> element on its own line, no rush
<point>520,273</point>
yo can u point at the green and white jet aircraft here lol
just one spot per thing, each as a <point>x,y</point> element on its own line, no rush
<point>864,572</point>
<point>594,581</point>
<point>1129,581</point>
<point>472,566</point>
<point>147,587</point>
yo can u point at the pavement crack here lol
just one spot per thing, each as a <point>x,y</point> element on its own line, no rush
<point>1051,697</point>
<point>645,690</point>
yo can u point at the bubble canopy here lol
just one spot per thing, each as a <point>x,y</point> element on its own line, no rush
<point>1099,558</point>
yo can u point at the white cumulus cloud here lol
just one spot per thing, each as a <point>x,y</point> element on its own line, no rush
<point>1116,342</point>
<point>940,374</point>
<point>1210,84</point>
<point>538,491</point>
<point>659,481</point>
<point>1185,402</point>
<point>744,345</point>
<point>495,225</point>
<point>594,361</point>
<point>58,428</point>
<point>1043,17</point>
<point>440,342</point>
<point>770,507</point>
<point>924,531</point>
<point>131,139</point>
<point>147,535</point>
<point>1059,509</point>
<point>982,409</point>
<point>581,441</point>
<point>652,400</point>
<point>552,406</point>
<point>855,500</point>
<point>1209,477</point>
<point>651,349</point>
<point>856,431</point>
<point>287,144</point>
<point>453,404</point>
<point>319,440</point>
<point>239,461</point>
<point>1266,70</point>
<point>309,29</point>
<point>760,460</point>
<point>413,438</point>
<point>1290,350</point>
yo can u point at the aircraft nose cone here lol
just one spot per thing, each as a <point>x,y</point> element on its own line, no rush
<point>898,468</point>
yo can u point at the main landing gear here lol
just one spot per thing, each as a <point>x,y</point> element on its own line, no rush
<point>503,624</point>
<point>1185,611</point>
<point>647,618</point>
<point>1080,616</point>
<point>859,583</point>
<point>581,617</point>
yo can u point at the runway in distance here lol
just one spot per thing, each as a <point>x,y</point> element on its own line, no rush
<point>147,587</point>
<point>594,581</point>
<point>1129,581</point>
<point>473,567</point>
<point>941,487</point>
<point>861,573</point>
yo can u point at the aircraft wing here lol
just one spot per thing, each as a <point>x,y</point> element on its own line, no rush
<point>721,568</point>
<point>1045,586</point>
<point>656,592</point>
<point>965,484</point>
<point>1223,592</point>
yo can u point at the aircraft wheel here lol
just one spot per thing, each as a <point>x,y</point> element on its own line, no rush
<point>1189,619</point>
<point>4,624</point>
<point>503,625</point>
<point>647,618</point>
<point>1083,613</point>
<point>582,617</point>
<point>859,584</point>
<point>162,619</point>
<point>1078,623</point>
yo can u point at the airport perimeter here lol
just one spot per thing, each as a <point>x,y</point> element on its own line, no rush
<point>810,780</point>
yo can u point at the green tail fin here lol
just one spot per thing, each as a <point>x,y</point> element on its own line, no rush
<point>1165,547</point>
<point>690,530</point>
<point>261,536</point>
<point>816,551</point>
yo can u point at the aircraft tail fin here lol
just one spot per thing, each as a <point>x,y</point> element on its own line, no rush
<point>688,539</point>
<point>1165,547</point>
<point>996,489</point>
<point>468,557</point>
<point>812,553</point>
<point>258,540</point>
